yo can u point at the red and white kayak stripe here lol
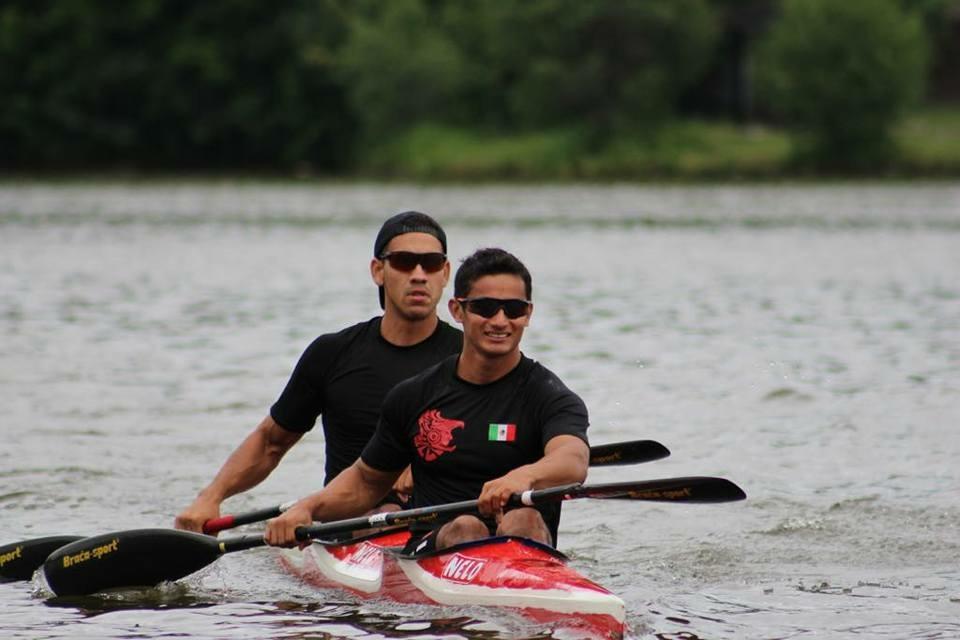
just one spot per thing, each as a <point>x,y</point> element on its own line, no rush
<point>509,572</point>
<point>502,572</point>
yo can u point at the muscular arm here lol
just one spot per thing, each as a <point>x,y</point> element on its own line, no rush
<point>356,490</point>
<point>565,460</point>
<point>249,464</point>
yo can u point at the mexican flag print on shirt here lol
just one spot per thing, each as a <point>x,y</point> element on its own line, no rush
<point>502,432</point>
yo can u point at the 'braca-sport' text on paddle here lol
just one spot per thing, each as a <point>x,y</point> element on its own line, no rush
<point>630,452</point>
<point>145,557</point>
<point>18,560</point>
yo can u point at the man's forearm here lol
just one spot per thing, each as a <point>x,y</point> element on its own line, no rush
<point>239,473</point>
<point>355,491</point>
<point>566,460</point>
<point>251,462</point>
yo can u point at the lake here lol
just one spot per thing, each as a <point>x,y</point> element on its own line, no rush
<point>801,340</point>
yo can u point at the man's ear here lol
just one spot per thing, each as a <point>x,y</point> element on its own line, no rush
<point>456,310</point>
<point>376,271</point>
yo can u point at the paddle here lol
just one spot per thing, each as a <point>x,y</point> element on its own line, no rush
<point>630,452</point>
<point>604,455</point>
<point>213,525</point>
<point>19,560</point>
<point>142,557</point>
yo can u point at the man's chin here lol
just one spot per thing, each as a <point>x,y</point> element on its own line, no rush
<point>498,349</point>
<point>415,313</point>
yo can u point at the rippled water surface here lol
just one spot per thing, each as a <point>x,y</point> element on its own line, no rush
<point>803,341</point>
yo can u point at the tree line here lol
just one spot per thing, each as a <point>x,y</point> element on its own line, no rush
<point>316,84</point>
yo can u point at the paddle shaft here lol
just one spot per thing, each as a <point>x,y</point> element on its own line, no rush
<point>694,489</point>
<point>213,525</point>
<point>604,455</point>
<point>323,529</point>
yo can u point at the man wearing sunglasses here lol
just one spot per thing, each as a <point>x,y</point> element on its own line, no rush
<point>489,423</point>
<point>344,376</point>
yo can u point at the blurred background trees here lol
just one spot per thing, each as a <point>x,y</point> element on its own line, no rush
<point>844,72</point>
<point>323,86</point>
<point>171,84</point>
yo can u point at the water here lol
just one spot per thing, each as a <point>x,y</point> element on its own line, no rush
<point>803,341</point>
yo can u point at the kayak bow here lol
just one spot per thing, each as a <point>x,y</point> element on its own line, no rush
<point>516,573</point>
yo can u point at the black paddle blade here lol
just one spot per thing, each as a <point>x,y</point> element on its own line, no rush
<point>134,558</point>
<point>19,560</point>
<point>633,452</point>
<point>694,489</point>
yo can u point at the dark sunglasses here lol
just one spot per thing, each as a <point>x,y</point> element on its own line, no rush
<point>408,260</point>
<point>513,308</point>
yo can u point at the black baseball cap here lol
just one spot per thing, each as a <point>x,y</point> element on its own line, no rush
<point>406,222</point>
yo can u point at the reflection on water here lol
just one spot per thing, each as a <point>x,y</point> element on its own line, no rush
<point>292,620</point>
<point>801,340</point>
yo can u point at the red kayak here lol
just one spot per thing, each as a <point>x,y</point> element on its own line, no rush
<point>502,572</point>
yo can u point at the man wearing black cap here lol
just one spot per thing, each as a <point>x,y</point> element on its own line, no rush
<point>481,425</point>
<point>344,376</point>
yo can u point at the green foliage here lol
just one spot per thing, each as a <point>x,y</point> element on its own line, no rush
<point>534,64</point>
<point>173,84</point>
<point>694,149</point>
<point>459,88</point>
<point>691,150</point>
<point>452,153</point>
<point>843,72</point>
<point>929,142</point>
<point>400,68</point>
<point>604,65</point>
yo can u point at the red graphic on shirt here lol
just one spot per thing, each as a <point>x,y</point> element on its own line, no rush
<point>436,434</point>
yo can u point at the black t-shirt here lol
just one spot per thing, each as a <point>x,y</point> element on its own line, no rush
<point>458,435</point>
<point>344,377</point>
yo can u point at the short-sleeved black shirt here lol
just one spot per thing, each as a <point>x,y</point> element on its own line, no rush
<point>344,377</point>
<point>458,435</point>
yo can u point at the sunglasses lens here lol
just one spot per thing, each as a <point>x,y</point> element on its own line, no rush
<point>432,262</point>
<point>408,261</point>
<point>515,308</point>
<point>488,307</point>
<point>402,261</point>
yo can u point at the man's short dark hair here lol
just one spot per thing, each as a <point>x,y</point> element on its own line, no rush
<point>489,262</point>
